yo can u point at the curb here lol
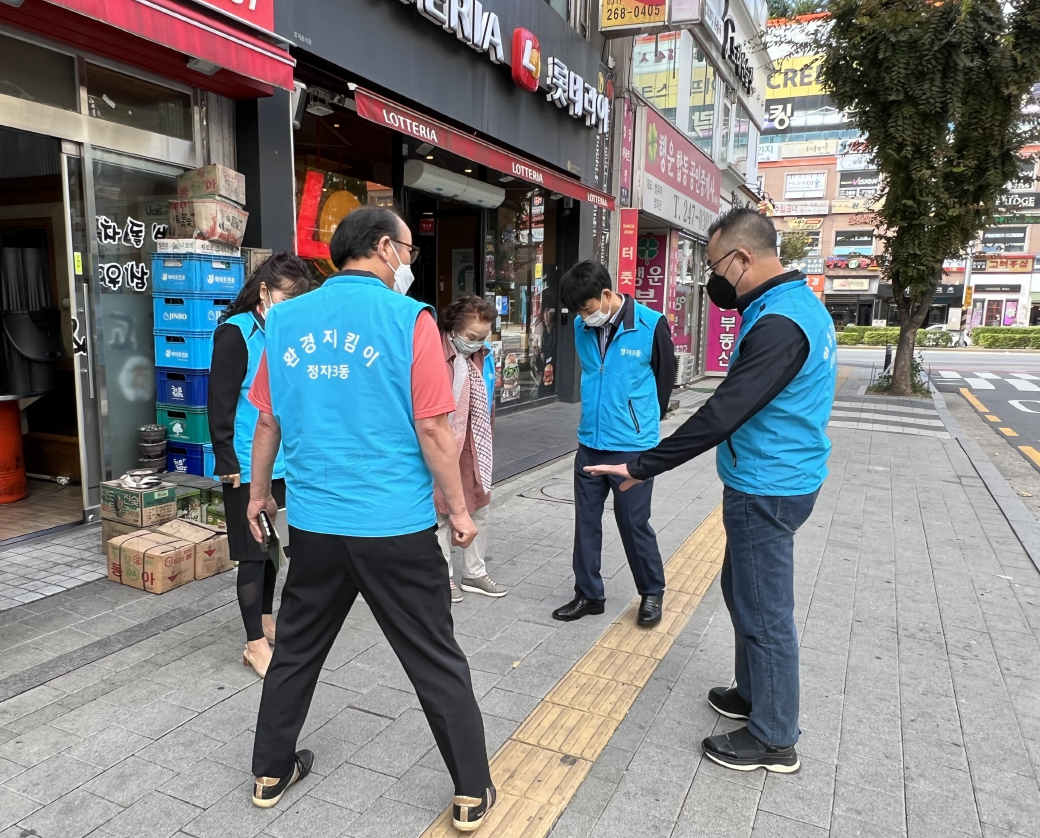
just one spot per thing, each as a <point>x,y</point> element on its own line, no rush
<point>1024,525</point>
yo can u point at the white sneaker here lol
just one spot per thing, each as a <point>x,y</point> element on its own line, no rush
<point>456,594</point>
<point>483,585</point>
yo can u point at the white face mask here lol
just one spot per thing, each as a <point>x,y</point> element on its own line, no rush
<point>597,318</point>
<point>403,277</point>
<point>467,347</point>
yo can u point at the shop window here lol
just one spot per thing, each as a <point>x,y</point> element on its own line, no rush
<point>31,72</point>
<point>562,8</point>
<point>994,313</point>
<point>117,97</point>
<point>741,135</point>
<point>521,275</point>
<point>702,102</point>
<point>655,70</point>
<point>727,115</point>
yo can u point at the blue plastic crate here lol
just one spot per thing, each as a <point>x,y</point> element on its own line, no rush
<point>185,457</point>
<point>184,388</point>
<point>209,461</point>
<point>188,312</point>
<point>190,273</point>
<point>183,350</point>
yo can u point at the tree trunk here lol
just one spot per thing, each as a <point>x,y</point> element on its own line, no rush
<point>912,315</point>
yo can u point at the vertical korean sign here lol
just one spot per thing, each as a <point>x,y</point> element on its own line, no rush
<point>651,265</point>
<point>628,239</point>
<point>628,136</point>
<point>723,327</point>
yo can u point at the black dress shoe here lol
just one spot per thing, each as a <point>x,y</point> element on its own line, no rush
<point>650,610</point>
<point>468,813</point>
<point>578,608</point>
<point>269,790</point>
<point>741,751</point>
<point>729,703</point>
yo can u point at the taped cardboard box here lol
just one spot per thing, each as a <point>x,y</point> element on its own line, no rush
<point>212,181</point>
<point>112,529</point>
<point>212,554</point>
<point>207,218</point>
<point>130,544</point>
<point>139,507</point>
<point>158,563</point>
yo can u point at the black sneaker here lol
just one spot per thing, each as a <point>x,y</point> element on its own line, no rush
<point>729,703</point>
<point>267,791</point>
<point>741,751</point>
<point>467,813</point>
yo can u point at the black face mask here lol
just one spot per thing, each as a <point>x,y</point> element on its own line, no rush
<point>721,292</point>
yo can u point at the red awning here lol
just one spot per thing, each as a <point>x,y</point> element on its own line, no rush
<point>150,33</point>
<point>390,115</point>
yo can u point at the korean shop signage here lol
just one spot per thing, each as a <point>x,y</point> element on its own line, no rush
<point>258,13</point>
<point>618,15</point>
<point>481,31</point>
<point>735,52</point>
<point>1019,201</point>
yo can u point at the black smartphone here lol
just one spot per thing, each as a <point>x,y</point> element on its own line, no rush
<point>265,525</point>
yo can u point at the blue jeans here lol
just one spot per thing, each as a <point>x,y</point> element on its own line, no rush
<point>758,586</point>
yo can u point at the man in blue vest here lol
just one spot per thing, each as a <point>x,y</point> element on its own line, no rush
<point>771,413</point>
<point>627,374</point>
<point>353,384</point>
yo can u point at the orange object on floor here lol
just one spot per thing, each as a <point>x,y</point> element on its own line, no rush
<point>12,463</point>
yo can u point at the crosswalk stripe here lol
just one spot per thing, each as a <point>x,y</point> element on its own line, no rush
<point>1019,384</point>
<point>882,417</point>
<point>980,384</point>
<point>1026,376</point>
<point>949,374</point>
<point>989,375</point>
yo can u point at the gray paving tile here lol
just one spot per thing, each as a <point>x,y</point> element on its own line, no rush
<point>14,808</point>
<point>128,781</point>
<point>206,783</point>
<point>233,816</point>
<point>768,825</point>
<point>388,819</point>
<point>398,747</point>
<point>72,816</point>
<point>353,787</point>
<point>50,779</point>
<point>423,787</point>
<point>155,815</point>
<point>34,746</point>
<point>313,818</point>
<point>180,749</point>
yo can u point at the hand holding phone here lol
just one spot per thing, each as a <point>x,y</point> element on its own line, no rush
<point>266,526</point>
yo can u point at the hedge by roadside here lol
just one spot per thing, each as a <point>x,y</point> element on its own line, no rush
<point>1006,337</point>
<point>873,336</point>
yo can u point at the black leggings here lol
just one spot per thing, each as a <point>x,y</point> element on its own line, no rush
<point>256,595</point>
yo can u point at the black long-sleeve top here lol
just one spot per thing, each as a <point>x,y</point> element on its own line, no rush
<point>771,354</point>
<point>662,355</point>
<point>227,372</point>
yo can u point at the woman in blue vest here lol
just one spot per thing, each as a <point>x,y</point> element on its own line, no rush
<point>465,327</point>
<point>238,344</point>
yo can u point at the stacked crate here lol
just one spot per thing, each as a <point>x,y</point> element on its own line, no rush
<point>191,291</point>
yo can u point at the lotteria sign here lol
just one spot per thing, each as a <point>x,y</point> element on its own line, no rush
<point>482,31</point>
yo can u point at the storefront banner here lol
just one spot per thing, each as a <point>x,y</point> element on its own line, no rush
<point>815,282</point>
<point>1010,312</point>
<point>1019,201</point>
<point>805,185</point>
<point>782,208</point>
<point>847,284</point>
<point>723,327</point>
<point>256,13</point>
<point>1003,264</point>
<point>815,148</point>
<point>390,115</point>
<point>628,241</point>
<point>854,205</point>
<point>628,136</point>
<point>795,75</point>
<point>617,16</point>
<point>680,183</point>
<point>651,266</point>
<point>675,299</point>
<point>194,32</point>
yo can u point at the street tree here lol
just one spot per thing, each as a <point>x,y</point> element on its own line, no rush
<point>794,246</point>
<point>939,89</point>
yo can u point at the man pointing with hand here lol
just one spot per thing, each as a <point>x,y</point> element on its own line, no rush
<point>353,384</point>
<point>769,419</point>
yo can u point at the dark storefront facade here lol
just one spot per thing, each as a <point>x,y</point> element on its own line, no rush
<point>502,187</point>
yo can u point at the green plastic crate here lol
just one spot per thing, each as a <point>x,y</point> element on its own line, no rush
<point>184,424</point>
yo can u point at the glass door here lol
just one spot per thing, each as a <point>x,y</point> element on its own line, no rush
<point>129,202</point>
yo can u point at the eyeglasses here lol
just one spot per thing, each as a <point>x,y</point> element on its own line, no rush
<point>712,266</point>
<point>413,250</point>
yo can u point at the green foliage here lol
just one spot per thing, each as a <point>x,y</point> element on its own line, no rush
<point>794,246</point>
<point>795,8</point>
<point>848,338</point>
<point>880,337</point>
<point>1006,337</point>
<point>936,338</point>
<point>918,385</point>
<point>938,90</point>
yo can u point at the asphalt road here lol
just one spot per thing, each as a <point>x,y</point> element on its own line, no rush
<point>1002,387</point>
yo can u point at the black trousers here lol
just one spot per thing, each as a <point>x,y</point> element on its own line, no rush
<point>632,513</point>
<point>402,581</point>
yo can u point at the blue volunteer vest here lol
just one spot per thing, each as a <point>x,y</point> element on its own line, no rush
<point>245,414</point>
<point>619,406</point>
<point>783,449</point>
<point>340,365</point>
<point>489,377</point>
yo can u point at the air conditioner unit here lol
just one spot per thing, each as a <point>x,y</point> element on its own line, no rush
<point>685,364</point>
<point>437,181</point>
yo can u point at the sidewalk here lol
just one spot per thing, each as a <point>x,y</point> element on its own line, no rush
<point>130,715</point>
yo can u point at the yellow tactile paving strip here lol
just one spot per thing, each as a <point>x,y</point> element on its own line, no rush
<point>540,768</point>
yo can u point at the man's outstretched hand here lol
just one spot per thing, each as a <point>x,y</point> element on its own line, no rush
<point>620,470</point>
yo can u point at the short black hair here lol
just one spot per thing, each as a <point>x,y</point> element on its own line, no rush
<point>745,227</point>
<point>585,281</point>
<point>358,234</point>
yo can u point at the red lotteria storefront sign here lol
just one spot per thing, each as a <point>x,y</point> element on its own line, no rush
<point>390,115</point>
<point>258,13</point>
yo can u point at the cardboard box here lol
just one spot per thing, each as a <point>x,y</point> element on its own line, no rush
<point>215,516</point>
<point>189,503</point>
<point>212,554</point>
<point>208,218</point>
<point>212,182</point>
<point>113,529</point>
<point>140,507</point>
<point>255,257</point>
<point>155,562</point>
<point>129,544</point>
<point>200,246</point>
